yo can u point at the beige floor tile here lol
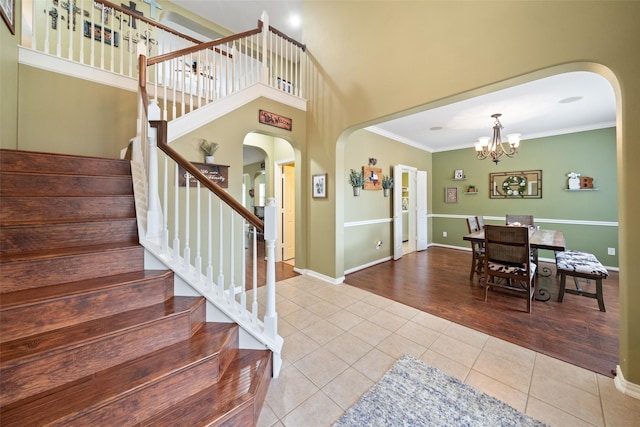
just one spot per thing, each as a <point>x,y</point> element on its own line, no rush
<point>388,320</point>
<point>336,298</point>
<point>402,310</point>
<point>397,346</point>
<point>344,319</point>
<point>418,333</point>
<point>513,374</point>
<point>457,350</point>
<point>285,328</point>
<point>305,300</point>
<point>348,347</point>
<point>619,408</point>
<point>267,417</point>
<point>370,332</point>
<point>289,390</point>
<point>568,373</point>
<point>323,308</point>
<point>566,397</point>
<point>321,366</point>
<point>352,291</point>
<point>322,331</point>
<point>317,411</point>
<point>374,364</point>
<point>298,345</point>
<point>377,301</point>
<point>346,388</point>
<point>446,365</point>
<point>301,318</point>
<point>509,351</point>
<point>430,321</point>
<point>363,309</point>
<point>553,416</point>
<point>511,396</point>
<point>466,335</point>
<point>285,307</point>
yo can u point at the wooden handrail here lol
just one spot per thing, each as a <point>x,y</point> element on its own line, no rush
<point>147,20</point>
<point>161,126</point>
<point>202,46</point>
<point>284,36</point>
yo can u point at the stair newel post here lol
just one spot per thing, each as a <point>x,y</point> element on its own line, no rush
<point>265,36</point>
<point>270,236</point>
<point>209,242</point>
<point>187,222</point>
<point>243,269</point>
<point>232,285</point>
<point>254,306</point>
<point>165,205</point>
<point>176,223</point>
<point>220,253</point>
<point>198,260</point>
<point>154,227</point>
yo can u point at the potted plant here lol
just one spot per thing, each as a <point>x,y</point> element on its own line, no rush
<point>471,189</point>
<point>387,183</point>
<point>356,179</point>
<point>208,148</point>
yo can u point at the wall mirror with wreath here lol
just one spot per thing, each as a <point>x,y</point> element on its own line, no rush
<point>516,185</point>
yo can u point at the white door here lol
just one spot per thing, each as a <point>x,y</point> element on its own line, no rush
<point>421,210</point>
<point>397,212</point>
<point>289,212</point>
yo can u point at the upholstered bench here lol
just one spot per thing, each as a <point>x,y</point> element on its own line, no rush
<point>580,265</point>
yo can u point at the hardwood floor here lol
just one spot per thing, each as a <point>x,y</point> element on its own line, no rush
<point>437,281</point>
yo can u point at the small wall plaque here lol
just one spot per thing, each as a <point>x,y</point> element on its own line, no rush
<point>216,173</point>
<point>276,120</point>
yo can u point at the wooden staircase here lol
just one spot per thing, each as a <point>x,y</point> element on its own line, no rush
<point>87,336</point>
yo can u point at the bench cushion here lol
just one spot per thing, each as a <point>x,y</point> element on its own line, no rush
<point>580,262</point>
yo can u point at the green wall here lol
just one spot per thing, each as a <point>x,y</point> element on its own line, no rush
<point>587,218</point>
<point>371,207</point>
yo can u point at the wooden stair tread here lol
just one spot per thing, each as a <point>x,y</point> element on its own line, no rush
<point>68,252</point>
<point>123,381</point>
<point>20,160</point>
<point>22,349</point>
<point>248,375</point>
<point>26,297</point>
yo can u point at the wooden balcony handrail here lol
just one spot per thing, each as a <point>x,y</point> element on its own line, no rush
<point>161,127</point>
<point>202,46</point>
<point>147,20</point>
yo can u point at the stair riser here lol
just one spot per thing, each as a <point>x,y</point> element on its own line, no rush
<point>56,368</point>
<point>136,407</point>
<point>17,210</point>
<point>19,275</point>
<point>14,184</point>
<point>30,238</point>
<point>27,161</point>
<point>71,309</point>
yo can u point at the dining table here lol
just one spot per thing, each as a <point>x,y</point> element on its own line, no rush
<point>539,238</point>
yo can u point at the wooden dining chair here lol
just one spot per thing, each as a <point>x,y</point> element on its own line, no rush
<point>519,220</point>
<point>477,249</point>
<point>480,220</point>
<point>507,261</point>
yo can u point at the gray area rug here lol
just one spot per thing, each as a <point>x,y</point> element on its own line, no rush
<point>413,393</point>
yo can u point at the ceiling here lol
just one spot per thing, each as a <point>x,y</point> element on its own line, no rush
<point>564,103</point>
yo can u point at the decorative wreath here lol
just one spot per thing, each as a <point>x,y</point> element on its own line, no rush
<point>515,185</point>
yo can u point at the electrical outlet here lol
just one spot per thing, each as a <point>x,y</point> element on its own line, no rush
<point>611,251</point>
<point>444,234</point>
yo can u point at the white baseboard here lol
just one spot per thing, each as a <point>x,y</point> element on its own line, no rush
<point>624,386</point>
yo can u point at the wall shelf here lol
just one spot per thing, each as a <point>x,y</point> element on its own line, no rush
<point>471,193</point>
<point>582,189</point>
<point>458,179</point>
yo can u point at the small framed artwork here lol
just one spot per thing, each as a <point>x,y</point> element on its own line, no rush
<point>451,195</point>
<point>8,12</point>
<point>319,186</point>
<point>458,174</point>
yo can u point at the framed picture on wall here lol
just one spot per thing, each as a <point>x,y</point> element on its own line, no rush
<point>451,195</point>
<point>8,12</point>
<point>319,186</point>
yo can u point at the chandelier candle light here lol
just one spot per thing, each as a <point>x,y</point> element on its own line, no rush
<point>495,149</point>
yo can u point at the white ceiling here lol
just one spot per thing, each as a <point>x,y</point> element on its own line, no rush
<point>536,109</point>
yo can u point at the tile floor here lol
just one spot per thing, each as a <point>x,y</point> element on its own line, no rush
<point>339,341</point>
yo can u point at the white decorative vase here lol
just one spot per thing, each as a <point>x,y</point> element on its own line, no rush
<point>385,191</point>
<point>356,191</point>
<point>208,160</point>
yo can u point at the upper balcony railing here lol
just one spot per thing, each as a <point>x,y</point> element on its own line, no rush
<point>183,73</point>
